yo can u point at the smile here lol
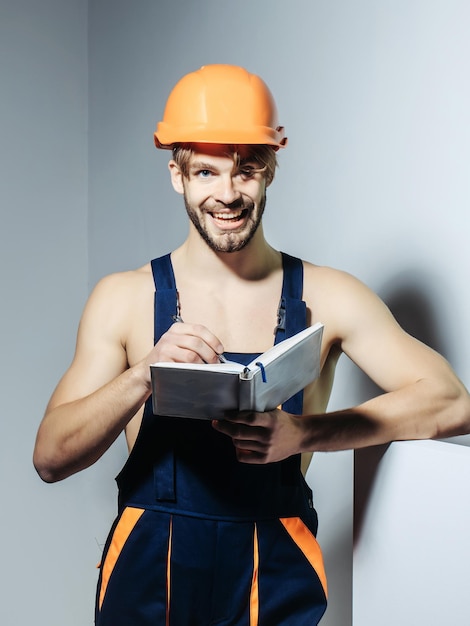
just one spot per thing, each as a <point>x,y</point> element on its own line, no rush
<point>232,216</point>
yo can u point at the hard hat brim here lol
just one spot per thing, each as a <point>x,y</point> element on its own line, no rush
<point>166,138</point>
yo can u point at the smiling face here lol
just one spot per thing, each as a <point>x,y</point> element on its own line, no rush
<point>224,196</point>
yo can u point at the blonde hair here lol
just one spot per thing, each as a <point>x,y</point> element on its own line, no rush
<point>263,155</point>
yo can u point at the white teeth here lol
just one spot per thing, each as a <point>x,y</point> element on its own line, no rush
<point>227,216</point>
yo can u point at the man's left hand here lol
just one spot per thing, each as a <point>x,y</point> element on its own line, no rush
<point>261,438</point>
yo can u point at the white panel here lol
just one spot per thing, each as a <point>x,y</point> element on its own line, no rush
<point>412,551</point>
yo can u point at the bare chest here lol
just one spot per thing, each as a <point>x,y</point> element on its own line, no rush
<point>243,320</point>
<point>243,317</point>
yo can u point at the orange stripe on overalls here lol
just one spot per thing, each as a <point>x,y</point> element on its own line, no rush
<point>254,595</point>
<point>307,543</point>
<point>125,526</point>
<point>168,574</point>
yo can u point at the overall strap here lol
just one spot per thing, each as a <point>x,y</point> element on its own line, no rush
<point>166,296</point>
<point>292,315</point>
<point>165,307</point>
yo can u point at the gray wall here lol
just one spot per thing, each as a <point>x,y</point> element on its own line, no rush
<point>44,537</point>
<point>375,100</point>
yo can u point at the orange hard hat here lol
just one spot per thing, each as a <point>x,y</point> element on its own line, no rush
<point>221,104</point>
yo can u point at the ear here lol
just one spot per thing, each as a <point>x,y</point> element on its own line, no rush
<point>176,177</point>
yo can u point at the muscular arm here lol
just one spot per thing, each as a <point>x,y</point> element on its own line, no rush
<point>423,397</point>
<point>100,393</point>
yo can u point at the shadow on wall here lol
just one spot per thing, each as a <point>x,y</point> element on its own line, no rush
<point>409,295</point>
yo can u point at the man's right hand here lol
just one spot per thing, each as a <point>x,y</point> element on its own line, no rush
<point>186,343</point>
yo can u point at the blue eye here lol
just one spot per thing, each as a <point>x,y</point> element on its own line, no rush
<point>204,173</point>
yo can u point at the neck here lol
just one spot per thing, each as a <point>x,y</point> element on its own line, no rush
<point>255,261</point>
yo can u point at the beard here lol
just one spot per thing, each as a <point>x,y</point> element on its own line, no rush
<point>227,241</point>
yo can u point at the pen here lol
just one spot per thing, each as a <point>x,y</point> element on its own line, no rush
<point>177,318</point>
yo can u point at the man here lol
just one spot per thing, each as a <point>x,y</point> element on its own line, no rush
<point>216,523</point>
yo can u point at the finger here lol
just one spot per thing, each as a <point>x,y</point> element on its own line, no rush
<point>176,350</point>
<point>198,331</point>
<point>190,344</point>
<point>242,417</point>
<point>250,456</point>
<point>240,431</point>
<point>245,445</point>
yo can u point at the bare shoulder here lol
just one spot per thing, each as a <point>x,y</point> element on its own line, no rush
<point>121,285</point>
<point>359,323</point>
<point>324,277</point>
<point>107,323</point>
<point>342,301</point>
<point>335,286</point>
<point>116,295</point>
<point>114,310</point>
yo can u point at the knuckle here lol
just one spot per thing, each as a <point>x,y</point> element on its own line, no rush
<point>193,357</point>
<point>200,329</point>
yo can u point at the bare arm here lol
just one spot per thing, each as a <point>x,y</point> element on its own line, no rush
<point>423,397</point>
<point>99,394</point>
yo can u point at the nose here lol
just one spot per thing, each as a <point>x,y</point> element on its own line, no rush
<point>226,192</point>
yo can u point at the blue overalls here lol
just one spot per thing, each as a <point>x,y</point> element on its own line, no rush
<point>201,539</point>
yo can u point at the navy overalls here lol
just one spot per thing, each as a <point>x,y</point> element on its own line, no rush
<point>201,539</point>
